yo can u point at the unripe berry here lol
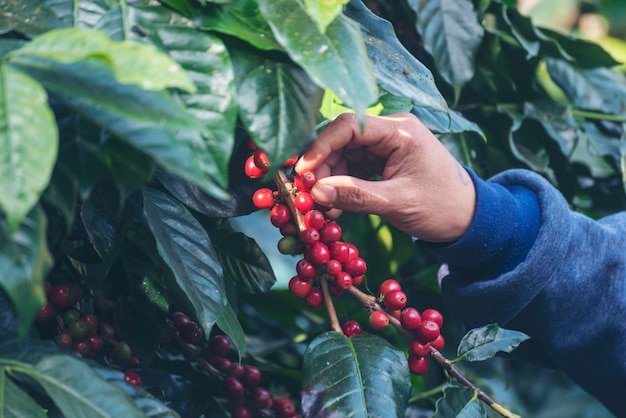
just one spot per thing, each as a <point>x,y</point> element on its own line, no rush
<point>280,215</point>
<point>263,198</point>
<point>433,315</point>
<point>287,245</point>
<point>396,299</point>
<point>410,319</point>
<point>314,299</point>
<point>428,331</point>
<point>251,169</point>
<point>418,365</point>
<point>304,202</point>
<point>64,340</point>
<point>78,329</point>
<point>351,329</point>
<point>378,320</point>
<point>122,353</point>
<point>132,379</point>
<point>70,316</point>
<point>314,219</point>
<point>299,287</point>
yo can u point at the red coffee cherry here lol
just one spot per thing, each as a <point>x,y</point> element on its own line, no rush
<point>418,365</point>
<point>428,331</point>
<point>343,280</point>
<point>132,379</point>
<point>433,315</point>
<point>305,180</point>
<point>333,267</point>
<point>95,342</point>
<point>64,340</point>
<point>410,319</point>
<point>355,266</point>
<point>92,323</point>
<point>357,280</point>
<point>240,411</point>
<point>396,299</point>
<point>252,170</point>
<point>339,251</point>
<point>191,333</point>
<point>351,329</point>
<point>418,348</point>
<point>314,299</point>
<point>319,253</point>
<point>235,370</point>
<point>439,343</point>
<point>263,198</point>
<point>314,219</point>
<point>280,215</point>
<point>284,408</point>
<point>64,295</point>
<point>305,269</point>
<point>261,159</point>
<point>330,232</point>
<point>304,202</point>
<point>178,318</point>
<point>251,376</point>
<point>299,287</point>
<point>310,236</point>
<point>378,320</point>
<point>261,398</point>
<point>233,388</point>
<point>45,314</point>
<point>353,251</point>
<point>388,285</point>
<point>82,347</point>
<point>291,161</point>
<point>219,345</point>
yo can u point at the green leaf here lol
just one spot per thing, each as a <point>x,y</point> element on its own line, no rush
<point>243,261</point>
<point>328,58</point>
<point>278,103</point>
<point>24,263</point>
<point>186,248</point>
<point>460,402</point>
<point>324,12</point>
<point>397,71</point>
<point>242,20</point>
<point>28,17</point>
<point>62,193</point>
<point>229,323</point>
<point>446,122</point>
<point>28,143</point>
<point>483,343</point>
<point>207,62</point>
<point>451,34</point>
<point>362,376</point>
<point>599,89</point>
<point>131,62</point>
<point>557,121</point>
<point>15,402</point>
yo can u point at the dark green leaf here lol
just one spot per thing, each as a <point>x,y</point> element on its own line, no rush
<point>24,263</point>
<point>459,402</point>
<point>229,323</point>
<point>452,35</point>
<point>186,248</point>
<point>483,343</point>
<point>15,402</point>
<point>243,20</point>
<point>278,103</point>
<point>62,192</point>
<point>328,58</point>
<point>557,121</point>
<point>599,89</point>
<point>397,70</point>
<point>362,376</point>
<point>28,143</point>
<point>243,261</point>
<point>130,168</point>
<point>29,17</point>
<point>446,122</point>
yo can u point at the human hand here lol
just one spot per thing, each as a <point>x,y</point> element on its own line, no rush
<point>423,190</point>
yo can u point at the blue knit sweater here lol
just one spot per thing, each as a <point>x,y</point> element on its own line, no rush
<point>529,263</point>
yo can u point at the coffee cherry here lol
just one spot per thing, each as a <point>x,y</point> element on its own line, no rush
<point>251,376</point>
<point>418,348</point>
<point>219,345</point>
<point>132,379</point>
<point>287,245</point>
<point>439,343</point>
<point>428,331</point>
<point>95,342</point>
<point>418,365</point>
<point>330,232</point>
<point>314,299</point>
<point>261,159</point>
<point>191,333</point>
<point>78,329</point>
<point>304,202</point>
<point>220,363</point>
<point>378,320</point>
<point>64,340</point>
<point>64,295</point>
<point>284,408</point>
<point>291,161</point>
<point>396,299</point>
<point>178,319</point>
<point>433,315</point>
<point>339,251</point>
<point>263,198</point>
<point>233,388</point>
<point>133,363</point>
<point>45,314</point>
<point>280,215</point>
<point>305,180</point>
<point>357,280</point>
<point>410,319</point>
<point>351,329</point>
<point>343,280</point>
<point>252,170</point>
<point>333,267</point>
<point>388,285</point>
<point>314,219</point>
<point>298,287</point>
<point>70,316</point>
<point>310,236</point>
<point>240,411</point>
<point>235,370</point>
<point>319,253</point>
<point>82,347</point>
<point>289,230</point>
<point>261,398</point>
<point>355,266</point>
<point>305,269</point>
<point>353,251</point>
<point>122,353</point>
<point>92,323</point>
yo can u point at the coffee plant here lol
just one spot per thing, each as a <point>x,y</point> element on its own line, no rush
<point>141,141</point>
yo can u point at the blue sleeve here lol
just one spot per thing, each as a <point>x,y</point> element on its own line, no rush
<point>529,263</point>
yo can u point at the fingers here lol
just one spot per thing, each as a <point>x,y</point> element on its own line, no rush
<point>352,194</point>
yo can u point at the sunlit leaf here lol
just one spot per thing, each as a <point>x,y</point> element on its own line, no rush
<point>483,343</point>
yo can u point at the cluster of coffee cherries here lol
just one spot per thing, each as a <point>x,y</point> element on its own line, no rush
<point>82,332</point>
<point>240,384</point>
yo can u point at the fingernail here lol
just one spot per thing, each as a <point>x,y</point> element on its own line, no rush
<point>324,194</point>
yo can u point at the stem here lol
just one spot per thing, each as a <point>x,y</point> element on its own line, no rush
<point>454,372</point>
<point>330,306</point>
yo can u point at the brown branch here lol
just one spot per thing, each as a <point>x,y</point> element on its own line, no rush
<point>287,192</point>
<point>330,306</point>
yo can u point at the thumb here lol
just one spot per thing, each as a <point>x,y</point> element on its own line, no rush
<point>351,194</point>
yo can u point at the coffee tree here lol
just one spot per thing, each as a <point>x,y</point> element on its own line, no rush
<point>134,133</point>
